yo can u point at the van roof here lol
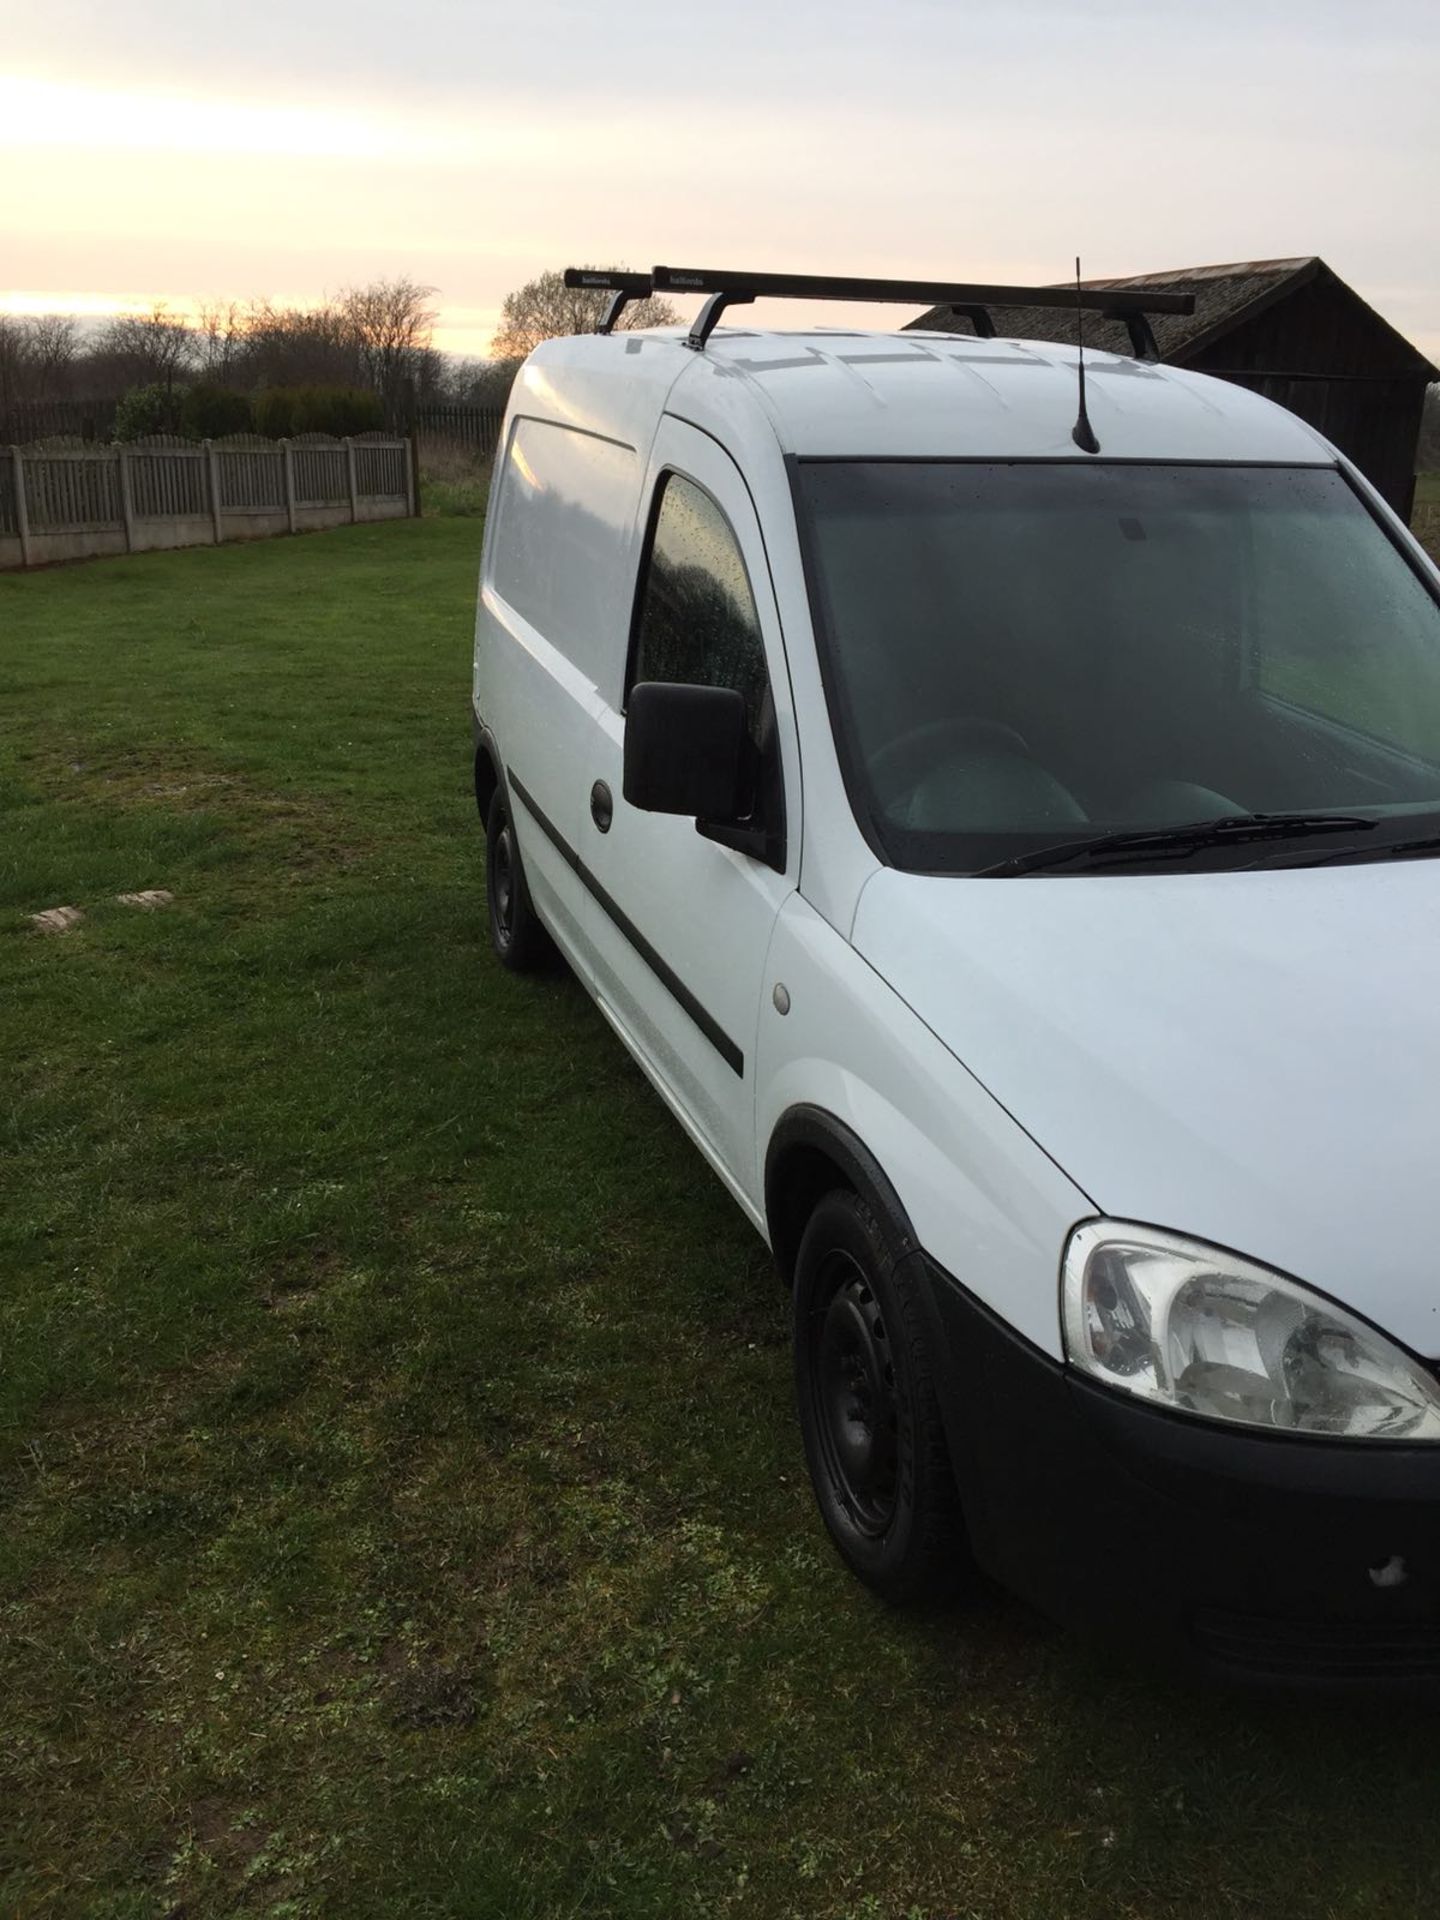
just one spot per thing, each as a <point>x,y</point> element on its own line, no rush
<point>873,395</point>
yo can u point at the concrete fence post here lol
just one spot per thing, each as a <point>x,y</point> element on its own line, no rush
<point>350,475</point>
<point>212,472</point>
<point>127,503</point>
<point>287,453</point>
<point>412,473</point>
<point>22,509</point>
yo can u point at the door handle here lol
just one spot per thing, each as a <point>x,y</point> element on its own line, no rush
<point>602,806</point>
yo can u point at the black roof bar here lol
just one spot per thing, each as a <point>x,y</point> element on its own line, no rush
<point>625,287</point>
<point>739,289</point>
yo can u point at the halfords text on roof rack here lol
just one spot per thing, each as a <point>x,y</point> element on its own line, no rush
<point>625,287</point>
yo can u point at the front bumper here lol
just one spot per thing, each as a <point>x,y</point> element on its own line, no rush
<point>1264,1556</point>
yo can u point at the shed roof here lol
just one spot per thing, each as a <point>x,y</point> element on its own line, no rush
<point>1225,296</point>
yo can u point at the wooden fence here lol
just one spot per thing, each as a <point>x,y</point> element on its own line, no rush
<point>69,502</point>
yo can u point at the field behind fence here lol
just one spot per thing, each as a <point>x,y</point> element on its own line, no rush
<point>71,502</point>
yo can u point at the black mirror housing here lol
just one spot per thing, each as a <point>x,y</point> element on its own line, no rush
<point>688,751</point>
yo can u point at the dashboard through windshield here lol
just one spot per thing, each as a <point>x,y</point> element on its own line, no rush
<point>1017,654</point>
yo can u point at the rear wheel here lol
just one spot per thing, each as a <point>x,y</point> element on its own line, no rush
<point>869,1411</point>
<point>519,940</point>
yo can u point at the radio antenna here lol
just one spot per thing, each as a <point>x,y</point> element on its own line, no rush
<point>1083,434</point>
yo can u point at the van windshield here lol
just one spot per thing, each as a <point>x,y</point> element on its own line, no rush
<point>1021,654</point>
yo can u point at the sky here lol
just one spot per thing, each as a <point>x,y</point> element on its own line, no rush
<point>191,149</point>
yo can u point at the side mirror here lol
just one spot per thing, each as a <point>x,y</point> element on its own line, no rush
<point>688,751</point>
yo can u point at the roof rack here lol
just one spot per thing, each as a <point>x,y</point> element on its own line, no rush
<point>739,289</point>
<point>625,287</point>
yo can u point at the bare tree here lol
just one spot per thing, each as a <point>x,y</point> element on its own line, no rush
<point>54,340</point>
<point>546,309</point>
<point>14,361</point>
<point>147,349</point>
<point>220,331</point>
<point>392,322</point>
<point>298,347</point>
<point>37,353</point>
<point>480,383</point>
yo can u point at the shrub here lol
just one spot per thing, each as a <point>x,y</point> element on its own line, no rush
<point>283,411</point>
<point>146,410</point>
<point>209,411</point>
<point>338,410</point>
<point>273,410</point>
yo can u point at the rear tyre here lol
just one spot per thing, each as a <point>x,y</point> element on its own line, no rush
<point>519,940</point>
<point>869,1411</point>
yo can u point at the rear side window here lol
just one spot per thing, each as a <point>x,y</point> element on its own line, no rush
<point>567,501</point>
<point>696,621</point>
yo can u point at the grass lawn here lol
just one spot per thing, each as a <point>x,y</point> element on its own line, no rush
<point>1426,517</point>
<point>405,1514</point>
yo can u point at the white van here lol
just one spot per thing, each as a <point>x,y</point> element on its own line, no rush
<point>1013,864</point>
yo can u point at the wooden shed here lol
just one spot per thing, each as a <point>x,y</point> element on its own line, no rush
<point>1290,329</point>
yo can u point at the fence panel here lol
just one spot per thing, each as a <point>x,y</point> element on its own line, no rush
<point>168,484</point>
<point>252,479</point>
<point>9,520</point>
<point>322,476</point>
<point>380,471</point>
<point>71,492</point>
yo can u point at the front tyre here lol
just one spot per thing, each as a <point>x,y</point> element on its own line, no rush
<point>519,940</point>
<point>869,1411</point>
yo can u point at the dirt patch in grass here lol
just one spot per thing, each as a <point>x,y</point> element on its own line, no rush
<point>434,1697</point>
<point>288,835</point>
<point>223,1832</point>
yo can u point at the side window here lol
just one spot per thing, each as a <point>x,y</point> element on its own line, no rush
<point>696,621</point>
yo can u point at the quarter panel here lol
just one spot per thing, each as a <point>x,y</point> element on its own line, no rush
<point>983,1199</point>
<point>536,713</point>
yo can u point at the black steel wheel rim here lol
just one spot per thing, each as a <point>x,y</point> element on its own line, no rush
<point>502,885</point>
<point>854,1398</point>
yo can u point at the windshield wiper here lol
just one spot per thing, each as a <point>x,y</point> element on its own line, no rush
<point>1231,829</point>
<point>1383,850</point>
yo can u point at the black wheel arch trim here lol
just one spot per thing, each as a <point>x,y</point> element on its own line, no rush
<point>486,755</point>
<point>804,1137</point>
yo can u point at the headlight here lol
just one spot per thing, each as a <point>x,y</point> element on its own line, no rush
<point>1207,1333</point>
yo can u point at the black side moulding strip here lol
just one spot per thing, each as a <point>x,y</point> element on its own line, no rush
<point>732,1055</point>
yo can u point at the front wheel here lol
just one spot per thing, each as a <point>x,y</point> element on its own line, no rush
<point>869,1412</point>
<point>519,940</point>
